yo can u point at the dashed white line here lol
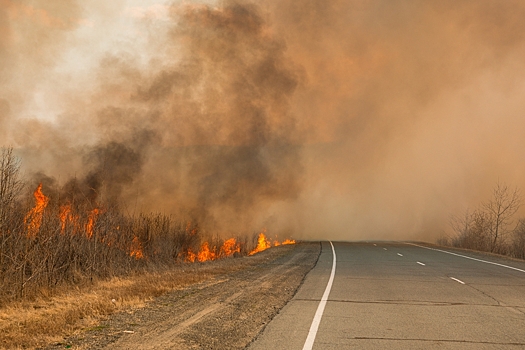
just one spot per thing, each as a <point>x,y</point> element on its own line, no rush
<point>420,263</point>
<point>467,257</point>
<point>309,343</point>
<point>399,254</point>
<point>384,248</point>
<point>455,279</point>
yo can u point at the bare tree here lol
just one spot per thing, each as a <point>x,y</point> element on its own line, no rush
<point>10,184</point>
<point>500,210</point>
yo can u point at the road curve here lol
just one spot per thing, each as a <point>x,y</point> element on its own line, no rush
<point>404,296</point>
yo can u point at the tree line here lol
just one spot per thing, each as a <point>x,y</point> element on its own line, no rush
<point>493,226</point>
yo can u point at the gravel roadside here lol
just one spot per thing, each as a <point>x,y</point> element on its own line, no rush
<point>226,311</point>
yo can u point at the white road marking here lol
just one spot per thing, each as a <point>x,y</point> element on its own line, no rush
<point>468,257</point>
<point>375,245</point>
<point>420,263</point>
<point>309,343</point>
<point>455,279</point>
<point>399,254</point>
<point>384,248</point>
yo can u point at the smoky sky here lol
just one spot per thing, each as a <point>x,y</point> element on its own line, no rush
<point>318,119</point>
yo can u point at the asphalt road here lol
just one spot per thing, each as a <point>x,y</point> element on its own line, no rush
<point>402,296</point>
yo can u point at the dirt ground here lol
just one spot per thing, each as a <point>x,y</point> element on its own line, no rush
<point>226,311</point>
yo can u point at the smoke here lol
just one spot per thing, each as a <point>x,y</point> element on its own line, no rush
<point>333,119</point>
<point>417,104</point>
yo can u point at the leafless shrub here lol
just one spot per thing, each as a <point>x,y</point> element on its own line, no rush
<point>10,185</point>
<point>66,235</point>
<point>472,231</point>
<point>488,227</point>
<point>443,240</point>
<point>518,243</point>
<point>75,242</point>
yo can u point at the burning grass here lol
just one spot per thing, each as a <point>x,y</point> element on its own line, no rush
<point>64,256</point>
<point>56,244</point>
<point>65,261</point>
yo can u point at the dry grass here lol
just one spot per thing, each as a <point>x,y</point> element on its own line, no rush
<point>48,319</point>
<point>67,258</point>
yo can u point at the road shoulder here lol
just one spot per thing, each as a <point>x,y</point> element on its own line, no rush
<point>225,312</point>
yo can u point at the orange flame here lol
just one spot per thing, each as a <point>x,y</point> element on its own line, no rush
<point>33,219</point>
<point>205,253</point>
<point>262,244</point>
<point>66,215</point>
<point>190,229</point>
<point>136,249</point>
<point>91,222</point>
<point>230,247</point>
<point>288,241</point>
<point>65,212</point>
<point>190,256</point>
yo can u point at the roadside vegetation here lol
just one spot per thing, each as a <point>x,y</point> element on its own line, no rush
<point>492,227</point>
<point>66,256</point>
<point>47,242</point>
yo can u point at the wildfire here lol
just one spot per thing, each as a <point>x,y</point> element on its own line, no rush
<point>190,256</point>
<point>136,249</point>
<point>205,253</point>
<point>65,215</point>
<point>91,222</point>
<point>262,244</point>
<point>33,219</point>
<point>191,229</point>
<point>230,247</point>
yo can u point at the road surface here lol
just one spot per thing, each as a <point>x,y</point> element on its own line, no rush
<point>403,296</point>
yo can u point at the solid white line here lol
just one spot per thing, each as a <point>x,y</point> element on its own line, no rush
<point>399,254</point>
<point>455,279</point>
<point>309,343</point>
<point>468,257</point>
<point>420,263</point>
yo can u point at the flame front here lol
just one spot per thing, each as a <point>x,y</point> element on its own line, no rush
<point>190,256</point>
<point>230,247</point>
<point>262,244</point>
<point>91,222</point>
<point>65,215</point>
<point>33,219</point>
<point>205,253</point>
<point>136,249</point>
